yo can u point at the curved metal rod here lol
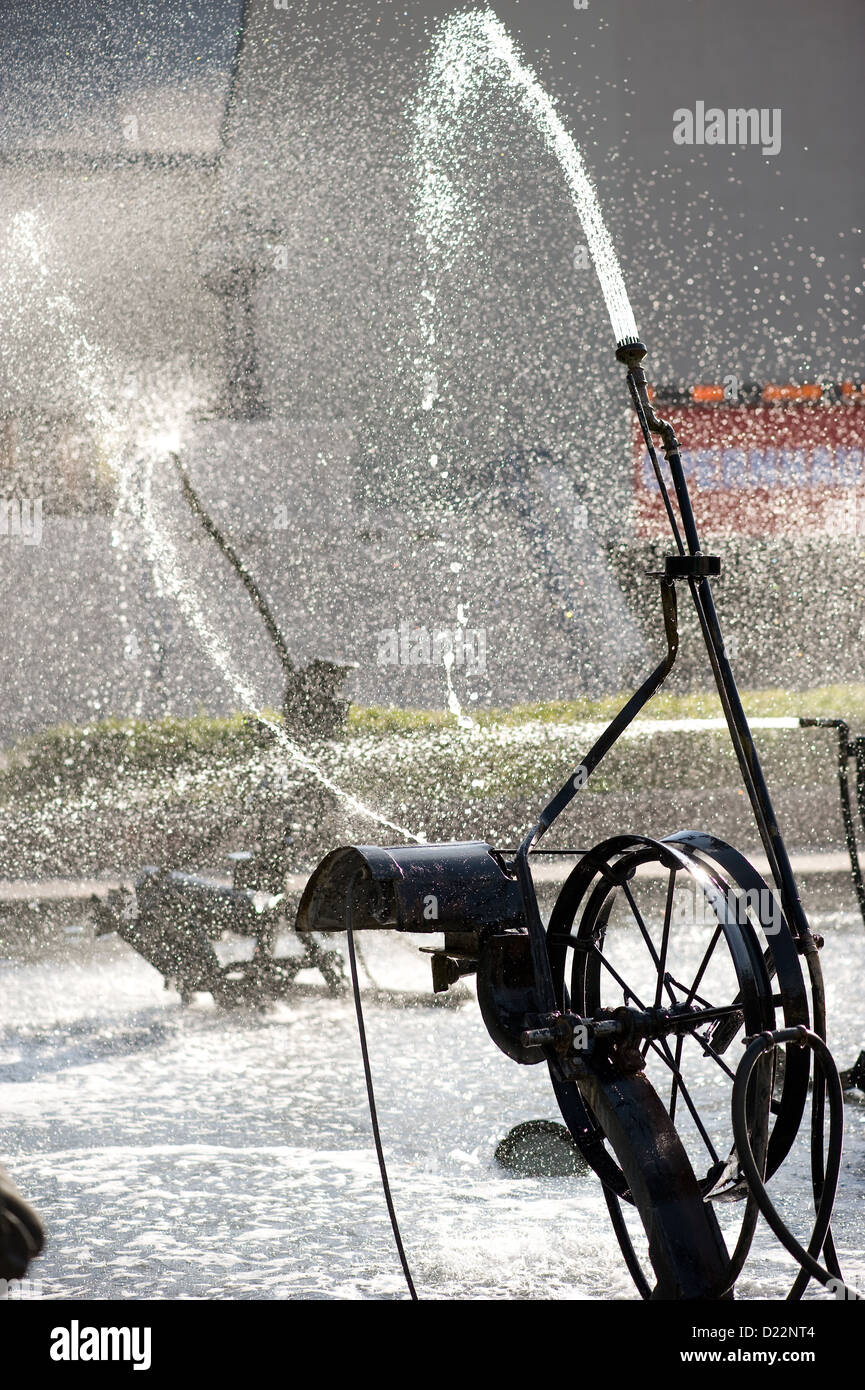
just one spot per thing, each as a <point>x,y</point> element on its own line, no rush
<point>197,507</point>
<point>847,750</point>
<point>626,715</point>
<point>576,782</point>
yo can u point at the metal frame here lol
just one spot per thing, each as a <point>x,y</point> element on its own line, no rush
<point>486,904</point>
<point>695,568</point>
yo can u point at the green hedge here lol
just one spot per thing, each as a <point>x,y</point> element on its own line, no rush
<point>512,749</point>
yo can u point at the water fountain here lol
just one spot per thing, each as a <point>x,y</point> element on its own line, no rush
<point>542,995</point>
<point>542,990</point>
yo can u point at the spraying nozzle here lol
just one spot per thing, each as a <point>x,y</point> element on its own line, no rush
<point>631,351</point>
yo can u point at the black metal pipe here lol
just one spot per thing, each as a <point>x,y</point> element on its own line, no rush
<point>631,355</point>
<point>575,783</point>
<point>197,507</point>
<point>847,750</point>
<point>617,726</point>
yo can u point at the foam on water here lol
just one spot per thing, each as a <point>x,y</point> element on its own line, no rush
<point>186,1153</point>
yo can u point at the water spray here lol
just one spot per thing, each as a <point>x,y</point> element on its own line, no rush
<point>567,993</point>
<point>311,705</point>
<point>547,992</point>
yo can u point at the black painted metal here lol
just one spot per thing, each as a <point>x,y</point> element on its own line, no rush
<point>612,864</point>
<point>486,904</point>
<point>617,726</point>
<point>21,1232</point>
<point>588,895</point>
<point>848,748</point>
<point>311,703</point>
<point>686,1247</point>
<point>783,963</point>
<point>173,920</point>
<point>458,888</point>
<point>632,354</point>
<point>507,994</point>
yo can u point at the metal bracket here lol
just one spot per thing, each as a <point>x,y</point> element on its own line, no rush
<point>691,566</point>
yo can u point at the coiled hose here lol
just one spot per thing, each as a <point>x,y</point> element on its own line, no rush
<point>825,1177</point>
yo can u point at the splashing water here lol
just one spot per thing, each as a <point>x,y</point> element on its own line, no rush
<point>473,66</point>
<point>471,49</point>
<point>464,721</point>
<point>132,456</point>
<point>136,495</point>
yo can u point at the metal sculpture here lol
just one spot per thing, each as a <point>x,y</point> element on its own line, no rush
<point>618,998</point>
<point>173,918</point>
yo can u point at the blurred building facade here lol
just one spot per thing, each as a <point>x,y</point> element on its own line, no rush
<point>221,255</point>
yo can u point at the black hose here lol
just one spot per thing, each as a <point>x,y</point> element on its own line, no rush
<point>373,1113</point>
<point>818,1105</point>
<point>626,1246</point>
<point>829,1075</point>
<point>822,1234</point>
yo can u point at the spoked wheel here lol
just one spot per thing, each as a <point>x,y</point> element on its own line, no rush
<point>641,926</point>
